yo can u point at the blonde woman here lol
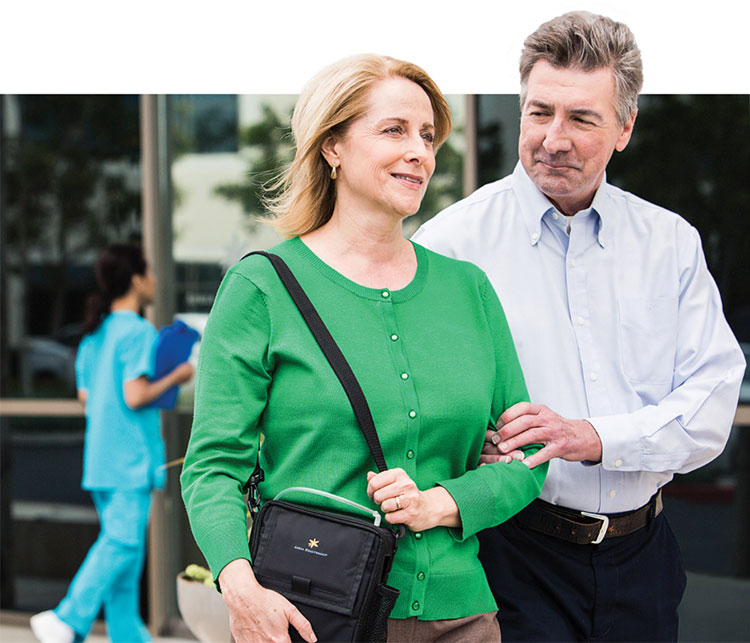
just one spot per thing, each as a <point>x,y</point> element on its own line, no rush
<point>425,335</point>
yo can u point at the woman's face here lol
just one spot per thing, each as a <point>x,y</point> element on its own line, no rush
<point>386,157</point>
<point>145,286</point>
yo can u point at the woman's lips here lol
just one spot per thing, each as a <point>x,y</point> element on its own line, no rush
<point>411,180</point>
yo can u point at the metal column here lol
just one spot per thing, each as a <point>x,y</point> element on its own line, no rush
<point>157,242</point>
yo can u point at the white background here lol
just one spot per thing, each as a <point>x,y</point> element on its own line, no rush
<point>246,46</point>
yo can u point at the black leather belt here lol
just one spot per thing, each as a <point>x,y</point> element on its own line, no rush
<point>583,527</point>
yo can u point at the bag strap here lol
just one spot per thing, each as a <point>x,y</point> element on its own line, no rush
<point>337,361</point>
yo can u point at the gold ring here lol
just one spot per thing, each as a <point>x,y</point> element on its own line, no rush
<point>398,502</point>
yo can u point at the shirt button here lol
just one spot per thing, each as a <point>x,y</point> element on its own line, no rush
<point>394,337</point>
<point>421,576</point>
<point>418,535</point>
<point>412,414</point>
<point>410,454</point>
<point>594,377</point>
<point>580,321</point>
<point>534,236</point>
<point>415,605</point>
<point>572,263</point>
<point>618,462</point>
<point>385,294</point>
<point>612,493</point>
<point>555,216</point>
<point>404,376</point>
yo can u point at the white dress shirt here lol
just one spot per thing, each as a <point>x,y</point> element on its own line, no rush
<point>616,320</point>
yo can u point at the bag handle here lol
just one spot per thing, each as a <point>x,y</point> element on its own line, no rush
<point>375,515</point>
<point>337,361</point>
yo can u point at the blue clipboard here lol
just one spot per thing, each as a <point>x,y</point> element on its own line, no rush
<point>173,346</point>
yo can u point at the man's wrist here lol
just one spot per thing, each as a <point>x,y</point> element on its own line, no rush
<point>594,452</point>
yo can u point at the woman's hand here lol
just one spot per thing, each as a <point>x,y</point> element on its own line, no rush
<point>182,373</point>
<point>403,503</point>
<point>142,391</point>
<point>257,614</point>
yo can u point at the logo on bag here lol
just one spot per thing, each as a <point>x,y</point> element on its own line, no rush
<point>312,545</point>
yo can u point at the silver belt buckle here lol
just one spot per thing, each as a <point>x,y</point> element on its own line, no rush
<point>603,530</point>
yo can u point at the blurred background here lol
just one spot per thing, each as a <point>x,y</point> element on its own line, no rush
<point>183,174</point>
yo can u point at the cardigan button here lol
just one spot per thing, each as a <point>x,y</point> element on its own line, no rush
<point>421,576</point>
<point>418,535</point>
<point>385,294</point>
<point>410,454</point>
<point>415,605</point>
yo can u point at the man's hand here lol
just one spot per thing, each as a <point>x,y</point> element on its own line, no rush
<point>490,453</point>
<point>525,423</point>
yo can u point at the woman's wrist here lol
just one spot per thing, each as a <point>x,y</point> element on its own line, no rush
<point>237,575</point>
<point>443,507</point>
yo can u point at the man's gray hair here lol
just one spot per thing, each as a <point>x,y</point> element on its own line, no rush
<point>585,41</point>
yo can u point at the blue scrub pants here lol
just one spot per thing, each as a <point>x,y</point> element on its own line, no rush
<point>110,574</point>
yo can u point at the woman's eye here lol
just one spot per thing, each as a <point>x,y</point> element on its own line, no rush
<point>429,137</point>
<point>394,130</point>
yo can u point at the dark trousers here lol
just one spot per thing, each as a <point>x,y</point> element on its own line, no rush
<point>547,589</point>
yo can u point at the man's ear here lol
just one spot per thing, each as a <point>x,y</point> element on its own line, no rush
<point>627,132</point>
<point>328,150</point>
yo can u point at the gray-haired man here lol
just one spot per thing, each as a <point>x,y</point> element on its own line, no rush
<point>619,329</point>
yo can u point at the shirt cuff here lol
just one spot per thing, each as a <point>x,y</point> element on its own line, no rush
<point>620,442</point>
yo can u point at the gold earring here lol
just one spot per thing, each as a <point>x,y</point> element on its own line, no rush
<point>333,172</point>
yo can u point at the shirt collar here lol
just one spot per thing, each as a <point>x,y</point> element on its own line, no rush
<point>534,205</point>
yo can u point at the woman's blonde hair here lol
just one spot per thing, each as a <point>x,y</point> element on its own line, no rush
<point>329,102</point>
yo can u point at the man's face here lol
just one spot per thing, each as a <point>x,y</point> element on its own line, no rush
<point>569,131</point>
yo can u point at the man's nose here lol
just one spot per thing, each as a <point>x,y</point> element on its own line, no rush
<point>557,138</point>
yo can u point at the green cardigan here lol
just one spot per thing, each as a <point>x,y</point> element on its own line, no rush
<point>437,364</point>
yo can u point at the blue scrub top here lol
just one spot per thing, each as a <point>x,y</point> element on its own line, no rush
<point>123,448</point>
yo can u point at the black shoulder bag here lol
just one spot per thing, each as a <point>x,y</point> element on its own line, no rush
<point>333,567</point>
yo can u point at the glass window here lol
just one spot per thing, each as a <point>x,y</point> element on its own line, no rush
<point>70,184</point>
<point>691,154</point>
<point>205,123</point>
<point>498,126</point>
<point>71,174</point>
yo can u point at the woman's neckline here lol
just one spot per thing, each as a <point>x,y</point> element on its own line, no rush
<point>374,293</point>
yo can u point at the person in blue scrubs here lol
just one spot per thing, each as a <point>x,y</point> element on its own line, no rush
<point>123,453</point>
